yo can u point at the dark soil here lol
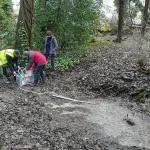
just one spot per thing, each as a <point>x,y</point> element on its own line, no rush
<point>29,121</point>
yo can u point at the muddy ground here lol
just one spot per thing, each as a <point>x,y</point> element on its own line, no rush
<point>110,80</point>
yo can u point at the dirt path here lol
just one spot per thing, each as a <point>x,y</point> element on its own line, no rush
<point>29,121</point>
<point>112,118</point>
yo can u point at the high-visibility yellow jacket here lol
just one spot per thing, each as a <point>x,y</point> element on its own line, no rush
<point>3,53</point>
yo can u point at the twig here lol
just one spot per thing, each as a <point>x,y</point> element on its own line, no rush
<point>56,95</point>
<point>70,99</point>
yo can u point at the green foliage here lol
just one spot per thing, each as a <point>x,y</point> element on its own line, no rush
<point>139,5</point>
<point>5,14</point>
<point>7,38</point>
<point>135,7</point>
<point>93,42</point>
<point>103,40</point>
<point>92,39</point>
<point>70,59</point>
<point>114,29</point>
<point>142,96</point>
<point>72,22</point>
<point>105,27</point>
<point>1,145</point>
<point>7,25</point>
<point>23,40</point>
<point>105,43</point>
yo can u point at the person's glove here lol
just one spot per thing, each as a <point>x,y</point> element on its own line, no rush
<point>14,73</point>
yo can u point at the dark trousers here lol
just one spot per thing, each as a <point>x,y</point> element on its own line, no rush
<point>4,69</point>
<point>52,59</point>
<point>39,73</point>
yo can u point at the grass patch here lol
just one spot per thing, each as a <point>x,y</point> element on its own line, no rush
<point>142,96</point>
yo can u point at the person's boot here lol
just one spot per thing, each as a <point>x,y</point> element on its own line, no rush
<point>42,82</point>
<point>5,79</point>
<point>33,84</point>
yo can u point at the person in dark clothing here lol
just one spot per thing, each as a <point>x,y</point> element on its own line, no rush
<point>50,48</point>
<point>8,58</point>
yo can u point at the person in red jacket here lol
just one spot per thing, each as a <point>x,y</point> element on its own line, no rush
<point>36,61</point>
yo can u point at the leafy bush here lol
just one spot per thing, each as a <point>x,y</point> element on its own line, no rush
<point>105,27</point>
<point>66,60</point>
<point>1,145</point>
<point>7,25</point>
<point>23,40</point>
<point>7,38</point>
<point>72,22</point>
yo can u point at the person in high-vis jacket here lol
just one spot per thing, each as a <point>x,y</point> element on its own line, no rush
<point>8,58</point>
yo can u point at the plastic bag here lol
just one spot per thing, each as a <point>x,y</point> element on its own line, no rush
<point>24,78</point>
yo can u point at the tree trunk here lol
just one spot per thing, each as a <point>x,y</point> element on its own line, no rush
<point>27,12</point>
<point>130,15</point>
<point>19,25</point>
<point>145,17</point>
<point>120,20</point>
<point>25,19</point>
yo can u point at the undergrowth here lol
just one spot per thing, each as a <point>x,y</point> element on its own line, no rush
<point>69,59</point>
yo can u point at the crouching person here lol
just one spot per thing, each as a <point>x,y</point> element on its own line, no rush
<point>8,58</point>
<point>36,61</point>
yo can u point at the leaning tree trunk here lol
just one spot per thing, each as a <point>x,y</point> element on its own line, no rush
<point>145,17</point>
<point>120,19</point>
<point>27,16</point>
<point>19,25</point>
<point>25,20</point>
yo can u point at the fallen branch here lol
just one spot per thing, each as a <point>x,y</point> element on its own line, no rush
<point>70,99</point>
<point>56,95</point>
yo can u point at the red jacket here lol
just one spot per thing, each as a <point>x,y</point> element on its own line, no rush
<point>36,59</point>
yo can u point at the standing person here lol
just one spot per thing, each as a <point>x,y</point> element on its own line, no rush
<point>36,61</point>
<point>50,48</point>
<point>8,58</point>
